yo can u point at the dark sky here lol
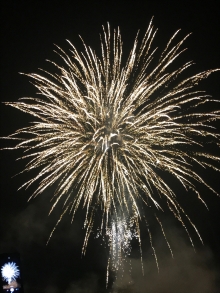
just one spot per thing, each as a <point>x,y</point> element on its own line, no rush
<point>28,31</point>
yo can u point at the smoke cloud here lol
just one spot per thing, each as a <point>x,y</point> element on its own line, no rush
<point>59,267</point>
<point>187,272</point>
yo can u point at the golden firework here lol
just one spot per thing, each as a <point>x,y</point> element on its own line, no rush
<point>103,129</point>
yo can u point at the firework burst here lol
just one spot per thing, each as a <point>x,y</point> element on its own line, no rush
<point>10,272</point>
<point>103,129</point>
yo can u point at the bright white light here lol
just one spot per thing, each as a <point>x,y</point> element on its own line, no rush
<point>10,272</point>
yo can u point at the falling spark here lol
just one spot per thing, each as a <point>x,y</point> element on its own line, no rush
<point>105,131</point>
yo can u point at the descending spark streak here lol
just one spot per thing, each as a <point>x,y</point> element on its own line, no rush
<point>123,229</point>
<point>104,129</point>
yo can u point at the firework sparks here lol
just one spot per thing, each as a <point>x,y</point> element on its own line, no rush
<point>123,229</point>
<point>10,272</point>
<point>103,129</point>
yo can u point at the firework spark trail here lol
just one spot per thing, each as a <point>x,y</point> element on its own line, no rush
<point>103,129</point>
<point>122,230</point>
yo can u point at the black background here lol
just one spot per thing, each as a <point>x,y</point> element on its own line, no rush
<point>28,31</point>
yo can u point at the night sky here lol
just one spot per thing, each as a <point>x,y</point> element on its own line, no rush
<point>29,30</point>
